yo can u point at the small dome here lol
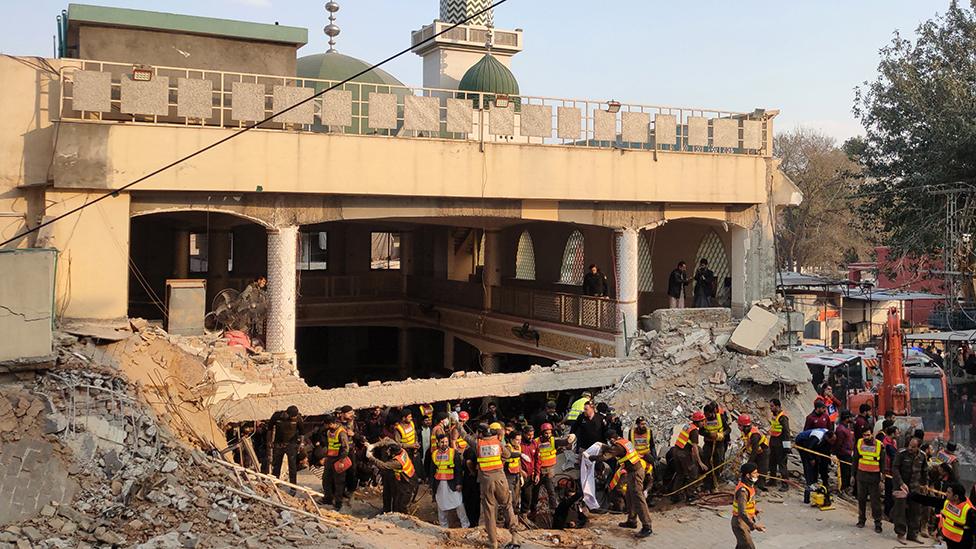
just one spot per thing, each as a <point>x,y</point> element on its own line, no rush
<point>489,76</point>
<point>337,67</point>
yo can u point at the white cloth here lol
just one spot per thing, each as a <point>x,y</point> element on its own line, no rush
<point>588,476</point>
<point>447,499</point>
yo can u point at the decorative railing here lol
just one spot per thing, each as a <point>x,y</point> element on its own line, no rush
<point>597,313</point>
<point>96,91</point>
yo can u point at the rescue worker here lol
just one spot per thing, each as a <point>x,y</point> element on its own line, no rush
<point>347,418</point>
<point>626,455</point>
<point>577,408</point>
<point>337,452</point>
<point>745,515</point>
<point>643,439</point>
<point>285,435</point>
<point>868,455</point>
<point>405,434</point>
<point>948,456</point>
<point>548,448</point>
<point>513,468</point>
<point>399,487</point>
<point>832,404</point>
<point>492,451</point>
<point>716,433</point>
<point>687,459</point>
<point>909,474</point>
<point>957,519</point>
<point>816,465</point>
<point>780,441</point>
<point>445,483</point>
<point>756,447</point>
<point>531,470</point>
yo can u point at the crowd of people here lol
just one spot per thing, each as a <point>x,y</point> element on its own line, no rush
<point>552,469</point>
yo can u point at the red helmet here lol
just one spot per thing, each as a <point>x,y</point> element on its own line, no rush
<point>464,416</point>
<point>744,420</point>
<point>545,427</point>
<point>698,416</point>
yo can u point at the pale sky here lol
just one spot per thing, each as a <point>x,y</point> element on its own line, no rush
<point>803,57</point>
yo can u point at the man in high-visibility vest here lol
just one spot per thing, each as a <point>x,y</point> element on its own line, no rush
<point>549,447</point>
<point>716,432</point>
<point>577,408</point>
<point>513,467</point>
<point>445,474</point>
<point>405,433</point>
<point>624,452</point>
<point>870,462</point>
<point>687,459</point>
<point>756,446</point>
<point>403,482</point>
<point>957,517</point>
<point>492,451</point>
<point>780,442</point>
<point>337,449</point>
<point>745,515</point>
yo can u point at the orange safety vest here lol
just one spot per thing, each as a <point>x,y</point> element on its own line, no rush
<point>334,442</point>
<point>870,456</point>
<point>763,439</point>
<point>461,444</point>
<point>407,435</point>
<point>513,465</point>
<point>630,454</point>
<point>406,465</point>
<point>953,520</point>
<point>945,457</point>
<point>642,443</point>
<point>832,412</point>
<point>775,427</point>
<point>685,435</point>
<point>547,451</point>
<point>489,454</point>
<point>750,509</point>
<point>444,463</point>
<point>616,480</point>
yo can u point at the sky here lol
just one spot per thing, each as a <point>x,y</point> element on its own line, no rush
<point>803,57</point>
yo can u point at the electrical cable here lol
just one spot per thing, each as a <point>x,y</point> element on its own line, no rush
<point>254,125</point>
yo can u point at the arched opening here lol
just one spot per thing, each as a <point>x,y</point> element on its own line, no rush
<point>574,262</point>
<point>645,267</point>
<point>713,250</point>
<point>525,258</point>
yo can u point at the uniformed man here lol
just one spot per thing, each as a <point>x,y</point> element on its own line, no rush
<point>780,441</point>
<point>756,446</point>
<point>909,474</point>
<point>577,408</point>
<point>716,432</point>
<point>745,514</point>
<point>347,418</point>
<point>400,486</point>
<point>337,451</point>
<point>405,434</point>
<point>869,457</point>
<point>624,452</point>
<point>687,459</point>
<point>513,467</point>
<point>445,481</point>
<point>492,451</point>
<point>285,434</point>
<point>643,440</point>
<point>548,448</point>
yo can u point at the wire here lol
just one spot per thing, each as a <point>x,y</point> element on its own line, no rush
<point>254,125</point>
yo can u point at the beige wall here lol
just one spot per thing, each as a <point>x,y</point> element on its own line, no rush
<point>26,303</point>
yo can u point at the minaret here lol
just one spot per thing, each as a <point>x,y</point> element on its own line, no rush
<point>449,56</point>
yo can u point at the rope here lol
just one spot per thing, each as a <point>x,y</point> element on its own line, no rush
<point>886,475</point>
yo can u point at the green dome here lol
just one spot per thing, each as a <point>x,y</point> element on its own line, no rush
<point>489,76</point>
<point>337,67</point>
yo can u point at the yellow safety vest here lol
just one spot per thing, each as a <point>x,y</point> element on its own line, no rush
<point>715,426</point>
<point>685,435</point>
<point>775,427</point>
<point>513,465</point>
<point>407,435</point>
<point>621,474</point>
<point>444,463</point>
<point>335,444</point>
<point>576,409</point>
<point>953,520</point>
<point>489,454</point>
<point>642,443</point>
<point>630,454</point>
<point>750,509</point>
<point>461,444</point>
<point>547,451</point>
<point>763,439</point>
<point>870,456</point>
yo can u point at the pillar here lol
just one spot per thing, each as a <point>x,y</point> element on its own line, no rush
<point>404,350</point>
<point>753,266</point>
<point>181,253</point>
<point>491,363</point>
<point>449,351</point>
<point>282,265</point>
<point>737,270</point>
<point>408,251</point>
<point>625,269</point>
<point>493,265</point>
<point>218,254</point>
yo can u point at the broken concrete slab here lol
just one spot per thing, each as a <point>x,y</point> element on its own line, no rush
<point>782,368</point>
<point>666,320</point>
<point>757,332</point>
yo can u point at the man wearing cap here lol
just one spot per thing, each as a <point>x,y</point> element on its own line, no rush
<point>445,481</point>
<point>745,514</point>
<point>780,441</point>
<point>624,452</point>
<point>716,431</point>
<point>756,447</point>
<point>687,459</point>
<point>492,451</point>
<point>405,434</point>
<point>337,450</point>
<point>399,487</point>
<point>285,435</point>
<point>347,418</point>
<point>513,467</point>
<point>546,415</point>
<point>818,419</point>
<point>549,447</point>
<point>870,462</point>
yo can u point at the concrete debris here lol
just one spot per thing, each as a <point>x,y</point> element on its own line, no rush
<point>757,332</point>
<point>669,320</point>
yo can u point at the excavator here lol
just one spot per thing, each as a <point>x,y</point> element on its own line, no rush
<point>912,387</point>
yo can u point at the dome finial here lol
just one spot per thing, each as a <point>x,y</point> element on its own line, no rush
<point>332,30</point>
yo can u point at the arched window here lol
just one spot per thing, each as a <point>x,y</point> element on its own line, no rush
<point>573,266</point>
<point>645,268</point>
<point>525,258</point>
<point>712,249</point>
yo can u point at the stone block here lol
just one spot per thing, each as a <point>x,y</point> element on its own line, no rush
<point>501,121</point>
<point>194,98</point>
<point>725,133</point>
<point>667,320</point>
<point>91,91</point>
<point>382,111</point>
<point>697,131</point>
<point>604,126</point>
<point>286,96</point>
<point>569,122</point>
<point>149,98</point>
<point>459,115</point>
<point>247,101</point>
<point>757,332</point>
<point>635,127</point>
<point>536,121</point>
<point>336,108</point>
<point>665,129</point>
<point>751,134</point>
<point>422,114</point>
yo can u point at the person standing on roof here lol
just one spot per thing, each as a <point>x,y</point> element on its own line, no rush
<point>745,513</point>
<point>595,282</point>
<point>780,441</point>
<point>685,454</point>
<point>756,447</point>
<point>716,431</point>
<point>624,452</point>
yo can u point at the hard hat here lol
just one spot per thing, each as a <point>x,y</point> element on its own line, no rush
<point>698,416</point>
<point>463,416</point>
<point>495,426</point>
<point>546,427</point>
<point>744,419</point>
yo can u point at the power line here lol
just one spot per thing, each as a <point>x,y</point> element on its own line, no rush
<point>252,125</point>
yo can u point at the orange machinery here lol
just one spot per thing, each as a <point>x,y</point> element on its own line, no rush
<point>915,390</point>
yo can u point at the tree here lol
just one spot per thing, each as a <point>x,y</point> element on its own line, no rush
<point>920,121</point>
<point>820,232</point>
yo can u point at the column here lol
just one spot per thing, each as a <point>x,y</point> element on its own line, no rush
<point>491,363</point>
<point>181,253</point>
<point>403,349</point>
<point>625,246</point>
<point>408,250</point>
<point>449,351</point>
<point>493,265</point>
<point>282,265</point>
<point>218,254</point>
<point>740,248</point>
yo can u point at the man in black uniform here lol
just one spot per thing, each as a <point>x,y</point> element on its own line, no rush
<point>285,435</point>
